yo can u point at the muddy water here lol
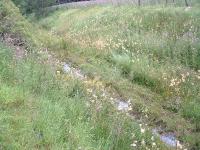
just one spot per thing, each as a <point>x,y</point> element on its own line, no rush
<point>73,71</point>
<point>122,105</point>
<point>168,138</point>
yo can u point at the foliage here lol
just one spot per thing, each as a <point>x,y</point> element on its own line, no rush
<point>149,54</point>
<point>40,109</point>
<point>30,6</point>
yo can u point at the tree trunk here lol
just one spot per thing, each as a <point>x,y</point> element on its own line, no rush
<point>186,3</point>
<point>139,2</point>
<point>166,2</point>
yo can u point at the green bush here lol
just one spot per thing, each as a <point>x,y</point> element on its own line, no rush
<point>30,6</point>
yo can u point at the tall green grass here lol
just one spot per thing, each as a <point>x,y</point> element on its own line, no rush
<point>150,54</point>
<point>39,110</point>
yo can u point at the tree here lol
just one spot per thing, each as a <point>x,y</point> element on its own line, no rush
<point>30,6</point>
<point>139,2</point>
<point>186,3</point>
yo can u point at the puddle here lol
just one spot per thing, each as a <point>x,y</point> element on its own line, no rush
<point>122,105</point>
<point>168,138</point>
<point>66,68</point>
<point>73,71</point>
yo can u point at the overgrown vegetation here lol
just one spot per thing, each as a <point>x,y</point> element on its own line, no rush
<point>36,6</point>
<point>151,55</point>
<point>42,109</point>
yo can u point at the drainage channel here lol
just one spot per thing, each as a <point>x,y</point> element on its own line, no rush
<point>169,138</point>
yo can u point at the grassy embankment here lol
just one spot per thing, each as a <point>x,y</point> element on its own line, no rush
<point>42,110</point>
<point>148,54</point>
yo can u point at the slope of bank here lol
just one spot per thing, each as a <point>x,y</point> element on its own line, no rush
<point>41,108</point>
<point>149,55</point>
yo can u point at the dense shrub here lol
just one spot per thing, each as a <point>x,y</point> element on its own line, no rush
<point>30,6</point>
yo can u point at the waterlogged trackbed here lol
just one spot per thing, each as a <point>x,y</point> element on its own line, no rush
<point>168,138</point>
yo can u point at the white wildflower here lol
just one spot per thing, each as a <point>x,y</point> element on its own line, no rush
<point>178,144</point>
<point>143,142</point>
<point>142,130</point>
<point>153,144</point>
<point>58,72</point>
<point>135,141</point>
<point>133,145</point>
